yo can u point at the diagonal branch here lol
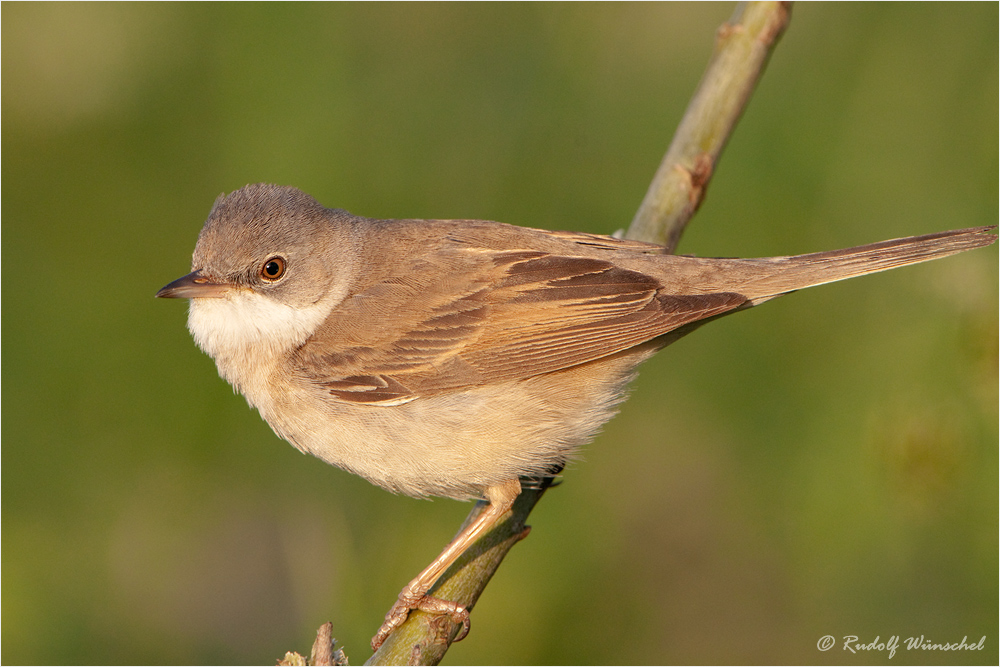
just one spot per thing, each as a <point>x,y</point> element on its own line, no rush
<point>678,188</point>
<point>742,48</point>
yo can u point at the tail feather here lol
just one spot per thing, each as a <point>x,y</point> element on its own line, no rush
<point>780,275</point>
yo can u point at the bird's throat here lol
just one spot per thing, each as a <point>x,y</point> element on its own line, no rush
<point>246,333</point>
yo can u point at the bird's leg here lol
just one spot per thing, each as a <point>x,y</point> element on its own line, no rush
<point>414,594</point>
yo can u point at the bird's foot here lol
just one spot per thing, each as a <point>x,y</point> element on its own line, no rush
<point>407,602</point>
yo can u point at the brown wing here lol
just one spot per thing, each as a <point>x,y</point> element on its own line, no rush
<point>466,316</point>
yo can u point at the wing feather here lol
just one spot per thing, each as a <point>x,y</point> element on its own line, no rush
<point>466,315</point>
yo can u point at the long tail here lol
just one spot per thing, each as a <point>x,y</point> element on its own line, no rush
<point>774,276</point>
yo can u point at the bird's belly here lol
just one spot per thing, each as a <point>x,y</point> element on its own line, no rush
<point>455,444</point>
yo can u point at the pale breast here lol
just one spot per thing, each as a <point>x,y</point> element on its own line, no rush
<point>458,443</point>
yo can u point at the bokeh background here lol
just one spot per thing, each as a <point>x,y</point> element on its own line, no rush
<point>824,464</point>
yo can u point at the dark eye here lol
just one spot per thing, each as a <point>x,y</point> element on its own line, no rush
<point>273,269</point>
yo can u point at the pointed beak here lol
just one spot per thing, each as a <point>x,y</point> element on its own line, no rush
<point>192,286</point>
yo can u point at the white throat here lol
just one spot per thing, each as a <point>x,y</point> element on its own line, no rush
<point>246,333</point>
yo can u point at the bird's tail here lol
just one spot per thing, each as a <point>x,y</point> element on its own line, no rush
<point>779,275</point>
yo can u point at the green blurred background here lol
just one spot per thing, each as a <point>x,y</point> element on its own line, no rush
<point>824,464</point>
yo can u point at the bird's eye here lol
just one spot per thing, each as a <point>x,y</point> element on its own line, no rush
<point>273,269</point>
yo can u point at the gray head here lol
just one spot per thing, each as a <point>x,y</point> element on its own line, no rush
<point>269,265</point>
<point>275,240</point>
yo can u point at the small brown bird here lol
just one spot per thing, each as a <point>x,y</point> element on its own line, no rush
<point>455,357</point>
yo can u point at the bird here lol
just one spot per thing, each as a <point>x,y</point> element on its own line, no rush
<point>458,358</point>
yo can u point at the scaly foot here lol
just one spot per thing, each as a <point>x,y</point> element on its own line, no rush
<point>401,609</point>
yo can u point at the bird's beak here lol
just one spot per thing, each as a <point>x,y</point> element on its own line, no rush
<point>192,286</point>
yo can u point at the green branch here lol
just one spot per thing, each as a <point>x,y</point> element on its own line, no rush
<point>678,188</point>
<point>742,48</point>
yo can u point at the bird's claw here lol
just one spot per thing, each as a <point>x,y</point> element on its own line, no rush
<point>401,609</point>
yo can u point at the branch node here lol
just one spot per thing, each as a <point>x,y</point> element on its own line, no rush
<point>725,31</point>
<point>699,176</point>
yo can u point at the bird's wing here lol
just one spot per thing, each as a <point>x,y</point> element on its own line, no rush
<point>466,315</point>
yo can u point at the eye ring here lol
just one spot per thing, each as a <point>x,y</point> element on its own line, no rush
<point>273,269</point>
